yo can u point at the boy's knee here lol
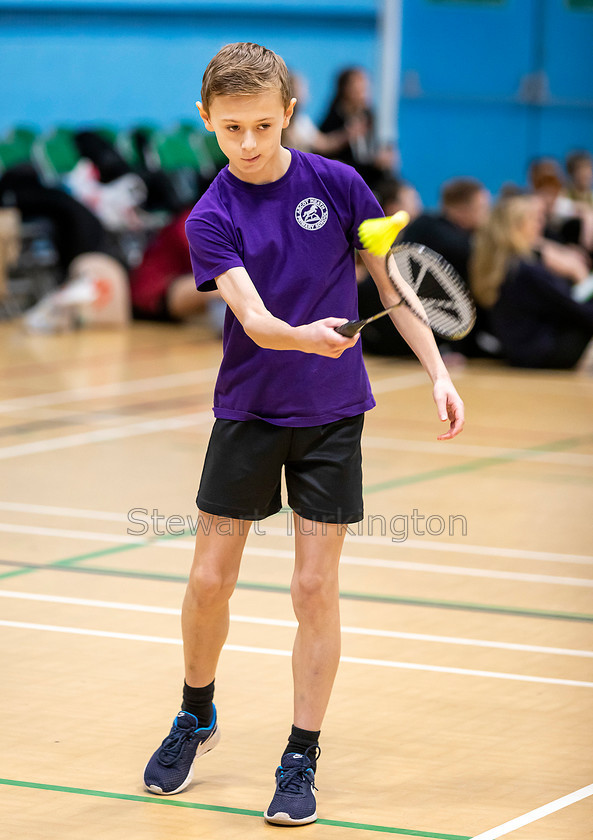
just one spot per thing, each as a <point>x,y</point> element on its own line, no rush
<point>209,586</point>
<point>312,590</point>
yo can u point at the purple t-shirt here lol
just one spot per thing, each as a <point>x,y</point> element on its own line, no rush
<point>296,238</point>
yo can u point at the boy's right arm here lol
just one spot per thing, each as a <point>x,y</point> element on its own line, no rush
<point>238,291</point>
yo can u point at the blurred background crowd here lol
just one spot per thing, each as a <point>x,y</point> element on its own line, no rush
<point>92,227</point>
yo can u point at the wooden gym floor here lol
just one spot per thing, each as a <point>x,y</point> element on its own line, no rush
<point>465,697</point>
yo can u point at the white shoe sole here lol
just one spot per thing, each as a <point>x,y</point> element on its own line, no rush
<point>282,818</point>
<point>204,747</point>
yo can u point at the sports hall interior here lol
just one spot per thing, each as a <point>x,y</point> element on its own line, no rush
<point>463,703</point>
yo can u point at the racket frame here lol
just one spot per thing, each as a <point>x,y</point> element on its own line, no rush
<point>414,304</point>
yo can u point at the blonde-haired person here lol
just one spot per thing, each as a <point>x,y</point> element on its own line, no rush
<point>276,233</point>
<point>533,311</point>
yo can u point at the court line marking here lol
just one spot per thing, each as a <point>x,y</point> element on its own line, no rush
<point>112,389</point>
<point>476,465</point>
<point>461,548</point>
<point>224,809</point>
<point>68,565</point>
<point>475,451</point>
<point>536,814</point>
<point>134,429</point>
<point>433,568</point>
<point>144,427</point>
<point>354,660</point>
<point>346,560</point>
<point>55,510</point>
<point>277,622</point>
<point>157,383</point>
<point>418,544</point>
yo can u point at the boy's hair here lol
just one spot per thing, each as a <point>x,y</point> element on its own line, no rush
<point>242,69</point>
<point>459,191</point>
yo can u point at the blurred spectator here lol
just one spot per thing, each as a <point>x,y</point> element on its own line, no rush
<point>567,220</point>
<point>163,287</point>
<point>10,245</point>
<point>95,294</point>
<point>381,337</point>
<point>350,113</point>
<point>394,195</point>
<point>302,133</point>
<point>532,310</point>
<point>75,229</point>
<point>465,204</point>
<point>579,166</point>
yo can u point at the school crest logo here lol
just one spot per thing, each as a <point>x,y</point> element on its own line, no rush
<point>311,213</point>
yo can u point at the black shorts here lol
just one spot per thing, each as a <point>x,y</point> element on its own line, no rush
<point>322,464</point>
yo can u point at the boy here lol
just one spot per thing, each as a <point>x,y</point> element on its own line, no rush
<point>276,233</point>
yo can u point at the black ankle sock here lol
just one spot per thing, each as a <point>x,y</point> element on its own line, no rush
<point>299,740</point>
<point>198,701</point>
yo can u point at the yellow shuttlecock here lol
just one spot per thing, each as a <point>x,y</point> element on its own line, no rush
<point>378,235</point>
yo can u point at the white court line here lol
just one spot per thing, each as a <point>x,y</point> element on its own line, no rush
<point>64,533</point>
<point>145,427</point>
<point>549,457</point>
<point>421,545</point>
<point>537,814</point>
<point>454,547</point>
<point>435,568</point>
<point>156,383</point>
<point>278,622</point>
<point>113,389</point>
<point>355,660</point>
<point>346,560</point>
<point>54,510</point>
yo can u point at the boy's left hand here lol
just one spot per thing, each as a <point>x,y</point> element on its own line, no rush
<point>450,407</point>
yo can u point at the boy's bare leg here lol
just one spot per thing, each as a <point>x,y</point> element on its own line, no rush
<point>315,597</point>
<point>205,613</point>
<point>205,622</point>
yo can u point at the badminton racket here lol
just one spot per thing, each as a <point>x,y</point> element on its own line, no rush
<point>429,287</point>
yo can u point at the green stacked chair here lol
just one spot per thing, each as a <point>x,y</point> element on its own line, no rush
<point>15,148</point>
<point>219,159</point>
<point>55,153</point>
<point>127,146</point>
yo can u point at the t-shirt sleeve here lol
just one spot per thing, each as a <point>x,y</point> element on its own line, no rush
<point>363,205</point>
<point>212,248</point>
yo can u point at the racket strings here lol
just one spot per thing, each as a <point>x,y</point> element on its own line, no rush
<point>445,301</point>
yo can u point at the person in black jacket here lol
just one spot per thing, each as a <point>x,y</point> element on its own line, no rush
<point>350,117</point>
<point>464,206</point>
<point>539,317</point>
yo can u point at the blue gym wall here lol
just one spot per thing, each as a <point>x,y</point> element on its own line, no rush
<point>486,84</point>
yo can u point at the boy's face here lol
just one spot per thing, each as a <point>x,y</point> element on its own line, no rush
<point>249,131</point>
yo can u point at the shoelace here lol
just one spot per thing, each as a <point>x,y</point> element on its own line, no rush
<point>172,746</point>
<point>293,779</point>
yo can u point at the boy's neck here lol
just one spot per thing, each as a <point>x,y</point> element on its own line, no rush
<point>273,171</point>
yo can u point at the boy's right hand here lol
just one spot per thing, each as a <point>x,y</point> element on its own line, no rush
<point>320,337</point>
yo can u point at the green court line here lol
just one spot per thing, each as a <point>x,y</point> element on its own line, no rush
<point>456,469</point>
<point>283,589</point>
<point>477,464</point>
<point>70,561</point>
<point>155,800</point>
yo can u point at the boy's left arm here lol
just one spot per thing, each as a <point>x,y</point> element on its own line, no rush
<point>421,340</point>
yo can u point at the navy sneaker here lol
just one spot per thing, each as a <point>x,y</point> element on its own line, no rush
<point>170,770</point>
<point>294,800</point>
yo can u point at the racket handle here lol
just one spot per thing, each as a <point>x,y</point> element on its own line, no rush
<point>350,328</point>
